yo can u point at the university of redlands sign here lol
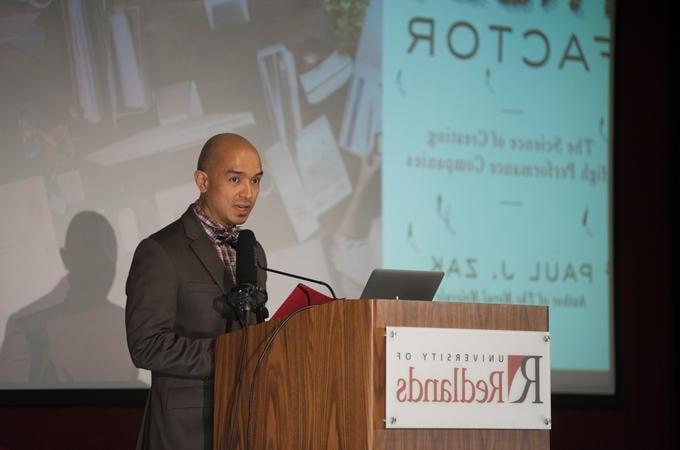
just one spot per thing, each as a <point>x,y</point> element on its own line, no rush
<point>457,378</point>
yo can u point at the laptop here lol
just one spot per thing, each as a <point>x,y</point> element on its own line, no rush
<point>402,284</point>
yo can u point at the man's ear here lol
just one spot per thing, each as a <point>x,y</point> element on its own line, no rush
<point>201,179</point>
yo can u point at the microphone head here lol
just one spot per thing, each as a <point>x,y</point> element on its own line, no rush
<point>246,271</point>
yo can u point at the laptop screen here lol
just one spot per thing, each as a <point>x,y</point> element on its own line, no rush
<point>402,284</point>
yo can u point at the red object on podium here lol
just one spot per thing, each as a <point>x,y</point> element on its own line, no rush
<point>300,297</point>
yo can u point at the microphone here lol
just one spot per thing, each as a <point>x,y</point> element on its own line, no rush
<point>246,272</point>
<point>299,277</point>
<point>247,296</point>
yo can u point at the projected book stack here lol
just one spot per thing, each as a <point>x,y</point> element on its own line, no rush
<point>325,379</point>
<point>105,49</point>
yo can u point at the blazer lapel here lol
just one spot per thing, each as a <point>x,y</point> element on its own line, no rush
<point>204,250</point>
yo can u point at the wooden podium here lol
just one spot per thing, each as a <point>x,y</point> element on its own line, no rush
<point>321,386</point>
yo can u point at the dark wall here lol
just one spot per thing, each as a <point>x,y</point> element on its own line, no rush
<point>69,427</point>
<point>645,252</point>
<point>644,245</point>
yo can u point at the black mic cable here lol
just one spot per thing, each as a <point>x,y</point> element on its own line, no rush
<point>299,277</point>
<point>260,360</point>
<point>240,371</point>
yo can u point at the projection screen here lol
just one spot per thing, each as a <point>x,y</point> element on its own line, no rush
<point>466,136</point>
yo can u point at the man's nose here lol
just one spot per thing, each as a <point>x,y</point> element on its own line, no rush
<point>247,191</point>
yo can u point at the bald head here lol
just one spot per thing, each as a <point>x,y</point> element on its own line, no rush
<point>228,178</point>
<point>216,145</point>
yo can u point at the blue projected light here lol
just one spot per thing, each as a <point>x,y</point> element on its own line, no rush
<point>496,159</point>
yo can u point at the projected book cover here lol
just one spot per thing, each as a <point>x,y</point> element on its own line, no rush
<point>464,136</point>
<point>496,158</point>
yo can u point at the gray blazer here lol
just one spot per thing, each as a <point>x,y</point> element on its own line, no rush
<point>171,328</point>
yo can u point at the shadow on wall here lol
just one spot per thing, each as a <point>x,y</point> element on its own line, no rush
<point>74,336</point>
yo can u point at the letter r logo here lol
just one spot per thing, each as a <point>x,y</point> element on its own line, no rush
<point>523,364</point>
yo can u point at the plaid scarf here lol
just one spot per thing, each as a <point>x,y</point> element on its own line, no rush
<point>224,239</point>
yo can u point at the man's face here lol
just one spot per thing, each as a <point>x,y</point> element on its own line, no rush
<point>231,185</point>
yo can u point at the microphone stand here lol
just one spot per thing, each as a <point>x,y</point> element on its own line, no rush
<point>299,278</point>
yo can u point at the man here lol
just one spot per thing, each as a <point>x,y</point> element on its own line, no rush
<point>175,276</point>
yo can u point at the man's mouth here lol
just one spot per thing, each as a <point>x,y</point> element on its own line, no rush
<point>242,208</point>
